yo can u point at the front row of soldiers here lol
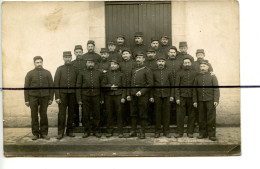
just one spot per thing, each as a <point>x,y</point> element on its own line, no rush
<point>187,85</point>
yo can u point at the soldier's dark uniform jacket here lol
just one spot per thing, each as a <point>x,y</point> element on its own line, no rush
<point>79,64</point>
<point>117,78</point>
<point>206,94</point>
<point>173,65</point>
<point>138,48</point>
<point>165,49</point>
<point>114,56</point>
<point>181,56</point>
<point>196,65</point>
<point>141,80</point>
<point>104,66</point>
<point>94,55</point>
<point>151,64</point>
<point>89,83</point>
<point>65,80</point>
<point>119,48</point>
<point>38,78</point>
<point>126,68</point>
<point>163,77</point>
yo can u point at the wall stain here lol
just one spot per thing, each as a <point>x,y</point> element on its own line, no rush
<point>53,19</point>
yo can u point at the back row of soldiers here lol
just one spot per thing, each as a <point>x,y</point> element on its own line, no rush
<point>129,79</point>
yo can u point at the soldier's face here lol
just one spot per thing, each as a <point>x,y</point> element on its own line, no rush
<point>187,63</point>
<point>139,40</point>
<point>126,55</point>
<point>104,55</point>
<point>151,55</point>
<point>90,47</point>
<point>161,63</point>
<point>120,40</point>
<point>78,52</point>
<point>111,48</point>
<point>164,41</point>
<point>155,44</point>
<point>172,53</point>
<point>67,59</point>
<point>183,49</point>
<point>140,59</point>
<point>204,67</point>
<point>90,64</point>
<point>38,63</point>
<point>114,66</point>
<point>200,55</point>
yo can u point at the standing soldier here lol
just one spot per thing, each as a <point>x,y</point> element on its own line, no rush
<point>156,46</point>
<point>126,66</point>
<point>39,98</point>
<point>162,97</point>
<point>120,43</point>
<point>104,64</point>
<point>206,99</point>
<point>79,65</point>
<point>65,93</point>
<point>111,45</point>
<point>183,95</point>
<point>139,46</point>
<point>91,53</point>
<point>200,54</point>
<point>150,61</point>
<point>183,47</point>
<point>88,94</point>
<point>115,94</point>
<point>165,45</point>
<point>173,64</point>
<point>141,81</point>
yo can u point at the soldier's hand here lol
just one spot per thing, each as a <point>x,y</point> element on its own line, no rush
<point>171,99</point>
<point>122,100</point>
<point>138,93</point>
<point>50,102</point>
<point>58,101</point>
<point>128,98</point>
<point>114,87</point>
<point>215,104</point>
<point>195,104</point>
<point>80,103</point>
<point>212,73</point>
<point>102,102</point>
<point>151,99</point>
<point>178,101</point>
<point>27,104</point>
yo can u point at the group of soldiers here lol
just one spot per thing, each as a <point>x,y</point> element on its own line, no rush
<point>148,81</point>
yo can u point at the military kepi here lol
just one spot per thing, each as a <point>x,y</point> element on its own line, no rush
<point>200,51</point>
<point>183,44</point>
<point>78,47</point>
<point>67,53</point>
<point>91,42</point>
<point>37,57</point>
<point>205,62</point>
<point>126,49</point>
<point>139,34</point>
<point>103,50</point>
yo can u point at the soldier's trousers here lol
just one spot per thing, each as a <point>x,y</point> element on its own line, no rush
<point>91,113</point>
<point>207,118</point>
<point>113,104</point>
<point>138,108</point>
<point>162,113</point>
<point>35,102</point>
<point>76,115</point>
<point>67,101</point>
<point>186,105</point>
<point>173,112</point>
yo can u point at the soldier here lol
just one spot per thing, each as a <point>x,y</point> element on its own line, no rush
<point>139,46</point>
<point>173,64</point>
<point>183,95</point>
<point>115,94</point>
<point>91,52</point>
<point>65,83</point>
<point>141,81</point>
<point>120,43</point>
<point>200,54</point>
<point>126,66</point>
<point>162,97</point>
<point>88,94</point>
<point>39,98</point>
<point>111,45</point>
<point>183,47</point>
<point>165,45</point>
<point>150,61</point>
<point>206,99</point>
<point>79,65</point>
<point>156,46</point>
<point>104,64</point>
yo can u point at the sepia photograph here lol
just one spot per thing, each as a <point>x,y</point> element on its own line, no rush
<point>121,78</point>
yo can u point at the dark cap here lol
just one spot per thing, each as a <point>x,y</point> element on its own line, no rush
<point>78,47</point>
<point>165,36</point>
<point>139,34</point>
<point>111,43</point>
<point>150,49</point>
<point>37,57</point>
<point>139,54</point>
<point>67,53</point>
<point>183,44</point>
<point>160,57</point>
<point>91,42</point>
<point>126,49</point>
<point>115,61</point>
<point>154,39</point>
<point>206,62</point>
<point>120,36</point>
<point>173,47</point>
<point>90,58</point>
<point>200,51</point>
<point>186,57</point>
<point>103,50</point>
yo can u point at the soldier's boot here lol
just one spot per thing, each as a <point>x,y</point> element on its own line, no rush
<point>133,130</point>
<point>142,134</point>
<point>142,130</point>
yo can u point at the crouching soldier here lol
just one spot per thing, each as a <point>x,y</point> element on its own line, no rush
<point>88,94</point>
<point>162,97</point>
<point>183,94</point>
<point>141,82</point>
<point>42,96</point>
<point>115,93</point>
<point>206,99</point>
<point>65,93</point>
